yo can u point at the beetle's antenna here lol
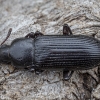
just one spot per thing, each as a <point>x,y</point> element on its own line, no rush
<point>9,32</point>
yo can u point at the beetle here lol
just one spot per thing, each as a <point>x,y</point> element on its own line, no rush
<point>65,52</point>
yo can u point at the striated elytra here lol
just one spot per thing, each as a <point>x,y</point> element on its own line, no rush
<point>65,52</point>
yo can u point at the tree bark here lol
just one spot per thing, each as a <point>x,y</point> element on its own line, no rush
<point>48,17</point>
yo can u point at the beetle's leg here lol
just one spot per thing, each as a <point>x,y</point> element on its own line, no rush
<point>37,33</point>
<point>33,35</point>
<point>38,71</point>
<point>30,35</point>
<point>93,35</point>
<point>66,30</point>
<point>67,75</point>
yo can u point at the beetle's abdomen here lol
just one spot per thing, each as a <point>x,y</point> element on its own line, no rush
<point>67,52</point>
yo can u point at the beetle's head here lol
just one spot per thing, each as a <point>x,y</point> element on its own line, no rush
<point>4,54</point>
<point>4,50</point>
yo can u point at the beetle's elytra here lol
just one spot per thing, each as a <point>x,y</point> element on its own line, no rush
<point>65,52</point>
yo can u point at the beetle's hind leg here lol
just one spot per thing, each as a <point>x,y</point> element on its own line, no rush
<point>66,30</point>
<point>33,35</point>
<point>67,75</point>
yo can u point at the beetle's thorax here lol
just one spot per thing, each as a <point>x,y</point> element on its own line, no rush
<point>22,52</point>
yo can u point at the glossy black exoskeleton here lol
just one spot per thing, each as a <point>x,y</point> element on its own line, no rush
<point>65,52</point>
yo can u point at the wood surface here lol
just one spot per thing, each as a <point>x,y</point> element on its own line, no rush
<point>48,17</point>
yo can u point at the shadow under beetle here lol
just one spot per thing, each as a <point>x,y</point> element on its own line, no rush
<point>65,52</point>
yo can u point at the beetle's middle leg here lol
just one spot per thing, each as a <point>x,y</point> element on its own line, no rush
<point>66,30</point>
<point>33,35</point>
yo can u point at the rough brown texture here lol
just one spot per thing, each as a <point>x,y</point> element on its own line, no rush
<point>48,16</point>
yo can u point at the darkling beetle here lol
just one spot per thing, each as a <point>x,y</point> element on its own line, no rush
<point>65,52</point>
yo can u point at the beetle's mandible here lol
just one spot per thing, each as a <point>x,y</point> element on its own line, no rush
<point>65,52</point>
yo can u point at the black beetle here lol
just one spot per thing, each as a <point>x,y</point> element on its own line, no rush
<point>65,52</point>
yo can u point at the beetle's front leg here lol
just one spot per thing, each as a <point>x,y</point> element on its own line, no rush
<point>67,75</point>
<point>66,30</point>
<point>33,35</point>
